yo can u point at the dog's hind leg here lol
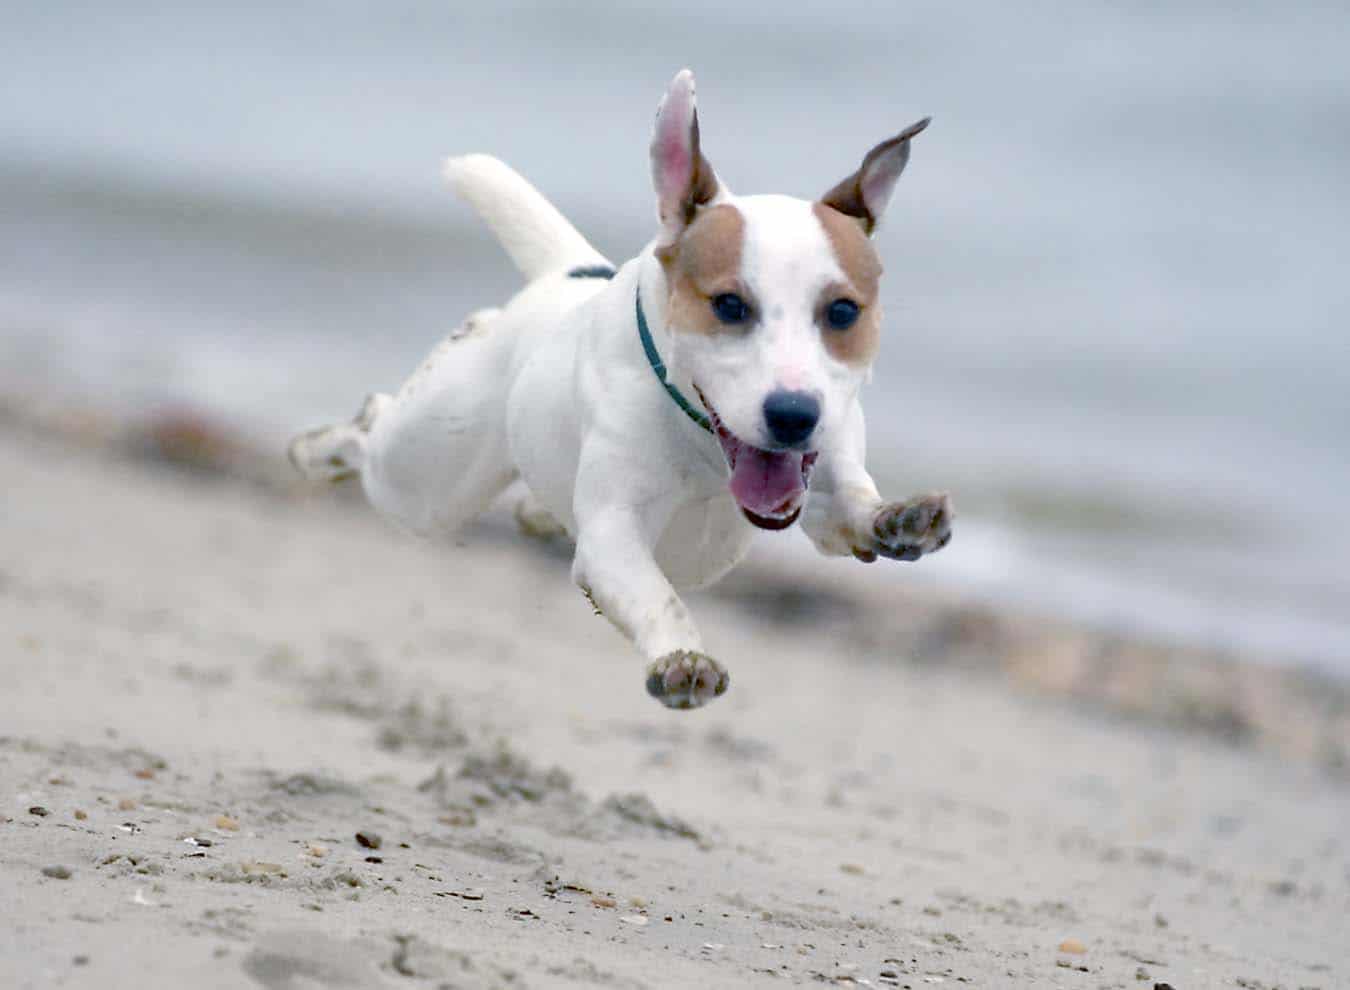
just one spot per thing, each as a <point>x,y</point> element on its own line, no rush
<point>433,456</point>
<point>534,520</point>
<point>437,456</point>
<point>335,453</point>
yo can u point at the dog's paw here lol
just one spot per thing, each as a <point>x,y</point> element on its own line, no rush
<point>908,530</point>
<point>685,679</point>
<point>536,522</point>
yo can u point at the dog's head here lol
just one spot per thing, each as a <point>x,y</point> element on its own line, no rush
<point>773,304</point>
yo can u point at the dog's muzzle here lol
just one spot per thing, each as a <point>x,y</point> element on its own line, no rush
<point>768,485</point>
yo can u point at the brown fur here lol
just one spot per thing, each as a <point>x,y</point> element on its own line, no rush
<point>862,272</point>
<point>847,197</point>
<point>703,183</point>
<point>703,263</point>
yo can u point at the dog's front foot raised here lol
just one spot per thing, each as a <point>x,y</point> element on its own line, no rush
<point>908,530</point>
<point>686,679</point>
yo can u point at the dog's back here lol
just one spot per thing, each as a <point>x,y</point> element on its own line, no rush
<point>436,454</point>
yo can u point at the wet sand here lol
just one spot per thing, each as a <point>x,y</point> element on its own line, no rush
<point>212,686</point>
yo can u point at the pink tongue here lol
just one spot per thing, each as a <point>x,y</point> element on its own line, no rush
<point>766,483</point>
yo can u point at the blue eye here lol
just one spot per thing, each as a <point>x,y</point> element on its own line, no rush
<point>731,308</point>
<point>842,314</point>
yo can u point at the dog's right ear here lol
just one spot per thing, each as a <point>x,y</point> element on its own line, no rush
<point>683,179</point>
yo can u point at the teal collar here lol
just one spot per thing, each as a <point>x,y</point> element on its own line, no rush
<point>658,366</point>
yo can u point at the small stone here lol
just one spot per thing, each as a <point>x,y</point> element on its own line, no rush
<point>854,869</point>
<point>1159,921</point>
<point>634,919</point>
<point>126,804</point>
<point>56,872</point>
<point>316,850</point>
<point>145,773</point>
<point>80,961</point>
<point>603,901</point>
<point>1072,946</point>
<point>374,859</point>
<point>1141,974</point>
<point>39,810</point>
<point>227,824</point>
<point>80,815</point>
<point>369,840</point>
<point>256,869</point>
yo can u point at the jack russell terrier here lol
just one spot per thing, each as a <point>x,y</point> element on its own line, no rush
<point>663,411</point>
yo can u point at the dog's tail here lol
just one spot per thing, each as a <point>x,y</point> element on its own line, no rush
<point>536,236</point>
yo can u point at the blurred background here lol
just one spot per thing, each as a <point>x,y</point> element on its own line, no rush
<point>1116,299</point>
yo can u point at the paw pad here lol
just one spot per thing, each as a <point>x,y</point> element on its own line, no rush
<point>685,679</point>
<point>908,530</point>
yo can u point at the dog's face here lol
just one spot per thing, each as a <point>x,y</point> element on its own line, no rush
<point>773,305</point>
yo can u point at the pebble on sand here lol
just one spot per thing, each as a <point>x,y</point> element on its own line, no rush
<point>39,810</point>
<point>1073,947</point>
<point>80,815</point>
<point>259,869</point>
<point>227,824</point>
<point>126,804</point>
<point>369,840</point>
<point>56,872</point>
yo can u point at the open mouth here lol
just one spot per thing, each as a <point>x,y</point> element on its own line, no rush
<point>768,485</point>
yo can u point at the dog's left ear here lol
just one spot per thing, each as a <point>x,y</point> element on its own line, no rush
<point>683,178</point>
<point>865,193</point>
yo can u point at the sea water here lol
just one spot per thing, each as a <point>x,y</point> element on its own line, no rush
<point>1116,299</point>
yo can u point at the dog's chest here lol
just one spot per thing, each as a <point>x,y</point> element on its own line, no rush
<point>703,541</point>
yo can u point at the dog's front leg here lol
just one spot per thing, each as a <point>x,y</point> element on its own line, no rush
<point>616,570</point>
<point>846,514</point>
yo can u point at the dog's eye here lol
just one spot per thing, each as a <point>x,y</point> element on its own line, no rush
<point>731,308</point>
<point>842,314</point>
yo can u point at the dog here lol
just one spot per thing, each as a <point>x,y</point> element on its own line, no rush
<point>662,411</point>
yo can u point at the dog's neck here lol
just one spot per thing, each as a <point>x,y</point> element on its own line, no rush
<point>654,288</point>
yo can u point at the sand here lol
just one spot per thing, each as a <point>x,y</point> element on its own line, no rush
<point>211,689</point>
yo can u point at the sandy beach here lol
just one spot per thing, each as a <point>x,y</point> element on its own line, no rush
<point>251,736</point>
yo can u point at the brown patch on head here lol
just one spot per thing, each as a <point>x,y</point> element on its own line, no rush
<point>861,266</point>
<point>705,262</point>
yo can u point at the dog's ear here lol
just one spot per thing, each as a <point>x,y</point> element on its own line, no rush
<point>865,193</point>
<point>683,178</point>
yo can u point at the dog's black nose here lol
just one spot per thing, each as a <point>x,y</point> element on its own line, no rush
<point>791,416</point>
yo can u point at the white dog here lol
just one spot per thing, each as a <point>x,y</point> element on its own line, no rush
<point>663,411</point>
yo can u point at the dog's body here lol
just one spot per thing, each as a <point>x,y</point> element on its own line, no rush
<point>741,300</point>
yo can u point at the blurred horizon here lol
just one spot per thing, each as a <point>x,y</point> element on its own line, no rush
<point>1115,306</point>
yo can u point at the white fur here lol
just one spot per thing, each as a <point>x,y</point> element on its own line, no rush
<point>554,388</point>
<point>536,236</point>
